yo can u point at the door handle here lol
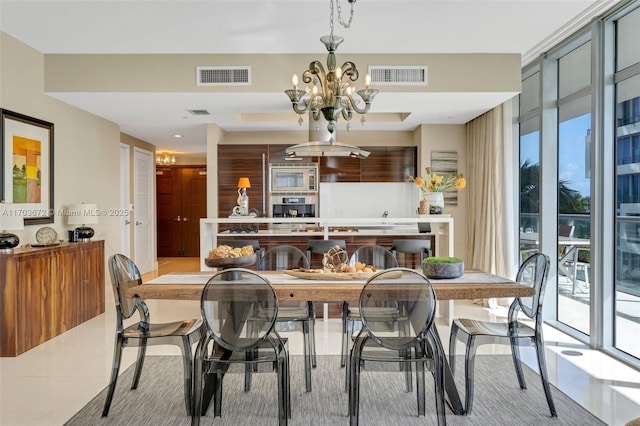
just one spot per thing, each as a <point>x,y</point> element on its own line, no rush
<point>185,219</point>
<point>127,222</point>
<point>177,219</point>
<point>138,223</point>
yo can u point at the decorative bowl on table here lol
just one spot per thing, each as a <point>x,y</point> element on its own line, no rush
<point>230,262</point>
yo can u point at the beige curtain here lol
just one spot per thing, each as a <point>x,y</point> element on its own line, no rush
<point>490,183</point>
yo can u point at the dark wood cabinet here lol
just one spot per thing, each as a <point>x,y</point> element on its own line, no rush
<point>234,162</point>
<point>384,164</point>
<point>181,199</point>
<point>389,164</point>
<point>47,291</point>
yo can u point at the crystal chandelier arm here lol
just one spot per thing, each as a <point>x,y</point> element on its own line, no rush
<point>347,110</point>
<point>349,69</point>
<point>367,96</point>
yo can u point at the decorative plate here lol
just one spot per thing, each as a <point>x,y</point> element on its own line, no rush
<point>46,236</point>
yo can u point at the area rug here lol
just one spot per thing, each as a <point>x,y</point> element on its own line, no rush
<point>383,401</point>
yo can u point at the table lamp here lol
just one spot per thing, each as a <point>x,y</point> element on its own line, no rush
<point>83,214</point>
<point>9,221</point>
<point>243,199</point>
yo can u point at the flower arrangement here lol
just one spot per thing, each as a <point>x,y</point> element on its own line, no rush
<point>434,182</point>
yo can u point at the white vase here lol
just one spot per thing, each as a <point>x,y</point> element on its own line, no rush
<point>436,202</point>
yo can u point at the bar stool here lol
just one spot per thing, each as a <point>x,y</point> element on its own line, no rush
<point>421,247</point>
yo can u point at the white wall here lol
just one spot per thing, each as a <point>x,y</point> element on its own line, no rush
<point>367,199</point>
<point>85,147</point>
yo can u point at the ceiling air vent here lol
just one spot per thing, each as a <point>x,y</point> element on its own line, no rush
<point>401,75</point>
<point>199,112</point>
<point>223,76</point>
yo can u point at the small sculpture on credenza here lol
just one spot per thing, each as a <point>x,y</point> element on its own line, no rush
<point>242,209</point>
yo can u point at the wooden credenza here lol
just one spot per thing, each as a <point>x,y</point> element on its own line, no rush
<point>47,291</point>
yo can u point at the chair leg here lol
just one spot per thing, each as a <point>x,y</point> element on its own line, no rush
<point>283,404</point>
<point>142,350</point>
<point>439,383</point>
<point>453,337</point>
<point>544,376</point>
<point>420,383</point>
<point>287,376</point>
<point>217,396</point>
<point>198,384</point>
<point>307,354</point>
<point>469,364</point>
<point>115,369</point>
<point>312,332</point>
<point>517,363</point>
<point>248,368</point>
<point>354,381</point>
<point>187,363</point>
<point>408,371</point>
<point>345,313</point>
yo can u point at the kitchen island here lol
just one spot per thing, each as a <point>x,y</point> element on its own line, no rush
<point>355,231</point>
<point>296,231</point>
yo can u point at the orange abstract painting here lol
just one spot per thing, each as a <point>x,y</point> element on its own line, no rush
<point>27,170</point>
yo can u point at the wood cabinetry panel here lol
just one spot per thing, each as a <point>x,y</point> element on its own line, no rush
<point>389,164</point>
<point>340,169</point>
<point>47,291</point>
<point>234,162</point>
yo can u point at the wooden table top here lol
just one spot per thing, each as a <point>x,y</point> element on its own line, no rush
<point>188,286</point>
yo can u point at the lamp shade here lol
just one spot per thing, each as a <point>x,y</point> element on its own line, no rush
<point>9,219</point>
<point>82,214</point>
<point>244,183</point>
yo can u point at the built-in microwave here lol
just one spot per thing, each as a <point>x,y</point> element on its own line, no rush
<point>293,178</point>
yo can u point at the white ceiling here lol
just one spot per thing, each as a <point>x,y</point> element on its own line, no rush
<point>275,26</point>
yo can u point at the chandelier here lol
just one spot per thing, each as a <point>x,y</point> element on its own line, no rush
<point>166,159</point>
<point>331,92</point>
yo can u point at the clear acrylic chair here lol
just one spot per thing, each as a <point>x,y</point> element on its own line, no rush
<point>283,257</point>
<point>532,272</point>
<point>381,258</point>
<point>409,342</point>
<point>125,275</point>
<point>239,308</point>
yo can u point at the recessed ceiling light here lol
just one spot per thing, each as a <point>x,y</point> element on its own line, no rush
<point>177,135</point>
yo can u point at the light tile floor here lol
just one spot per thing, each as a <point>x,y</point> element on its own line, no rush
<point>48,384</point>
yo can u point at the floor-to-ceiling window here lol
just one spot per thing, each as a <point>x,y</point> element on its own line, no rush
<point>574,187</point>
<point>586,128</point>
<point>627,172</point>
<point>529,165</point>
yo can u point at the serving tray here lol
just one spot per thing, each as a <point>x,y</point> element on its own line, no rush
<point>310,274</point>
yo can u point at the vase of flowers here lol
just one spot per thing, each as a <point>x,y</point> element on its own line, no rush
<point>432,186</point>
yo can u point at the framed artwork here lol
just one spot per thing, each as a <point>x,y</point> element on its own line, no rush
<point>27,166</point>
<point>446,163</point>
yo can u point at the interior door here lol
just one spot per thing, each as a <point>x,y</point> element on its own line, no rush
<point>143,172</point>
<point>169,210</point>
<point>194,207</point>
<point>125,201</point>
<point>181,202</point>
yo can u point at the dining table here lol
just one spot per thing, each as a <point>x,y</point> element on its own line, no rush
<point>325,288</point>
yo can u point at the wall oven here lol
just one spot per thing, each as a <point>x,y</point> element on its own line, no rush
<point>293,177</point>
